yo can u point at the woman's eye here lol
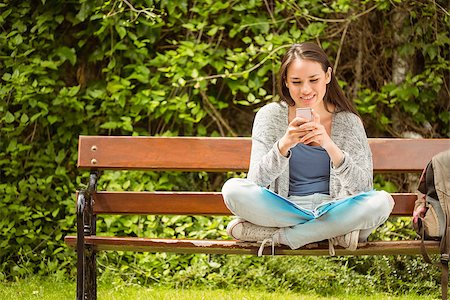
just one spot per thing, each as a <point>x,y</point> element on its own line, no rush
<point>314,80</point>
<point>296,82</point>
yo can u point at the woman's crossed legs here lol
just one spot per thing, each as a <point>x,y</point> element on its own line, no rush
<point>263,207</point>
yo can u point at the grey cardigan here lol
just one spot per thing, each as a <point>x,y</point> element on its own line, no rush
<point>268,168</point>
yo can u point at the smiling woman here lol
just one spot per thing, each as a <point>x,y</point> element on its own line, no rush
<point>308,181</point>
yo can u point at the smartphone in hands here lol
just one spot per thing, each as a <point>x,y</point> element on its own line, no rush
<point>305,113</point>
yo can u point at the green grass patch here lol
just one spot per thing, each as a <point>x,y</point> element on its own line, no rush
<point>322,276</point>
<point>56,288</point>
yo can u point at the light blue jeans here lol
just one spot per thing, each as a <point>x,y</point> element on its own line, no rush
<point>307,219</point>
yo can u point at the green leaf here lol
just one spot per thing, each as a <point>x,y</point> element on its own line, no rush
<point>114,87</point>
<point>9,117</point>
<point>17,39</point>
<point>52,119</point>
<point>110,125</point>
<point>83,13</point>
<point>6,76</point>
<point>12,146</point>
<point>73,91</point>
<point>24,118</point>
<point>213,31</point>
<point>315,29</point>
<point>194,73</point>
<point>121,31</point>
<point>66,53</point>
<point>112,63</point>
<point>55,212</point>
<point>35,116</point>
<point>411,107</point>
<point>60,156</point>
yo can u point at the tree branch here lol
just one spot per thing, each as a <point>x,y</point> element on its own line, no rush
<point>216,115</point>
<point>239,74</point>
<point>338,55</point>
<point>350,18</point>
<point>139,11</point>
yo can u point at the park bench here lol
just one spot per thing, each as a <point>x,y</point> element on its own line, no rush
<point>197,154</point>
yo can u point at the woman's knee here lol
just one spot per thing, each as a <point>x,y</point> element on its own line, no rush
<point>386,201</point>
<point>232,186</point>
<point>374,210</point>
<point>236,190</point>
<point>379,206</point>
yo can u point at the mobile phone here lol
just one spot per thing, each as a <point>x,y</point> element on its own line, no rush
<point>305,113</point>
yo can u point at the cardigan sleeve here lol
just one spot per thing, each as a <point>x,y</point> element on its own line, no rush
<point>266,161</point>
<point>355,174</point>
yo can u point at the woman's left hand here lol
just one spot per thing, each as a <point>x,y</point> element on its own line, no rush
<point>317,135</point>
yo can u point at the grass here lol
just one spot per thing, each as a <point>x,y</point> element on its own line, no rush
<point>53,288</point>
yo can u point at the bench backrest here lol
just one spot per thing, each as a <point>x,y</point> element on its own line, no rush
<point>217,155</point>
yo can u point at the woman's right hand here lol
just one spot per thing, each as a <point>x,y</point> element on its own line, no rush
<point>292,135</point>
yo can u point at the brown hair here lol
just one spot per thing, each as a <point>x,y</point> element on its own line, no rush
<point>310,51</point>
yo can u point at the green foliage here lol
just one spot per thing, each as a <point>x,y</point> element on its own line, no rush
<point>426,115</point>
<point>185,68</point>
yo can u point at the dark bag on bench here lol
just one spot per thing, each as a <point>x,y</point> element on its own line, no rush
<point>431,217</point>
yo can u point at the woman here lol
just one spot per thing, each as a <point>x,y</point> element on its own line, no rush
<point>309,180</point>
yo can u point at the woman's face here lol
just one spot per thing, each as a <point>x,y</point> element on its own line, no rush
<point>307,82</point>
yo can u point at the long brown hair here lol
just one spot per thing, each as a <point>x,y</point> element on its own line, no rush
<point>310,51</point>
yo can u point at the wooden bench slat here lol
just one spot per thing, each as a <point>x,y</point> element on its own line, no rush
<point>160,203</point>
<point>229,154</point>
<point>404,204</point>
<point>164,153</point>
<point>193,203</point>
<point>405,155</point>
<point>236,247</point>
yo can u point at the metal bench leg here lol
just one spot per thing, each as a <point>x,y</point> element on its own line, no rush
<point>86,254</point>
<point>80,246</point>
<point>90,223</point>
<point>91,273</point>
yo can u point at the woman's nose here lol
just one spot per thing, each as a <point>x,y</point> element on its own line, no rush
<point>306,88</point>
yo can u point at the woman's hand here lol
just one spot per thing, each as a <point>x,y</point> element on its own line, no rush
<point>318,136</point>
<point>316,133</point>
<point>294,134</point>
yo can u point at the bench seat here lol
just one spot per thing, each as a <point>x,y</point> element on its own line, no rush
<point>102,243</point>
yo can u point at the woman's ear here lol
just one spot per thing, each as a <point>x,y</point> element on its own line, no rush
<point>328,75</point>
